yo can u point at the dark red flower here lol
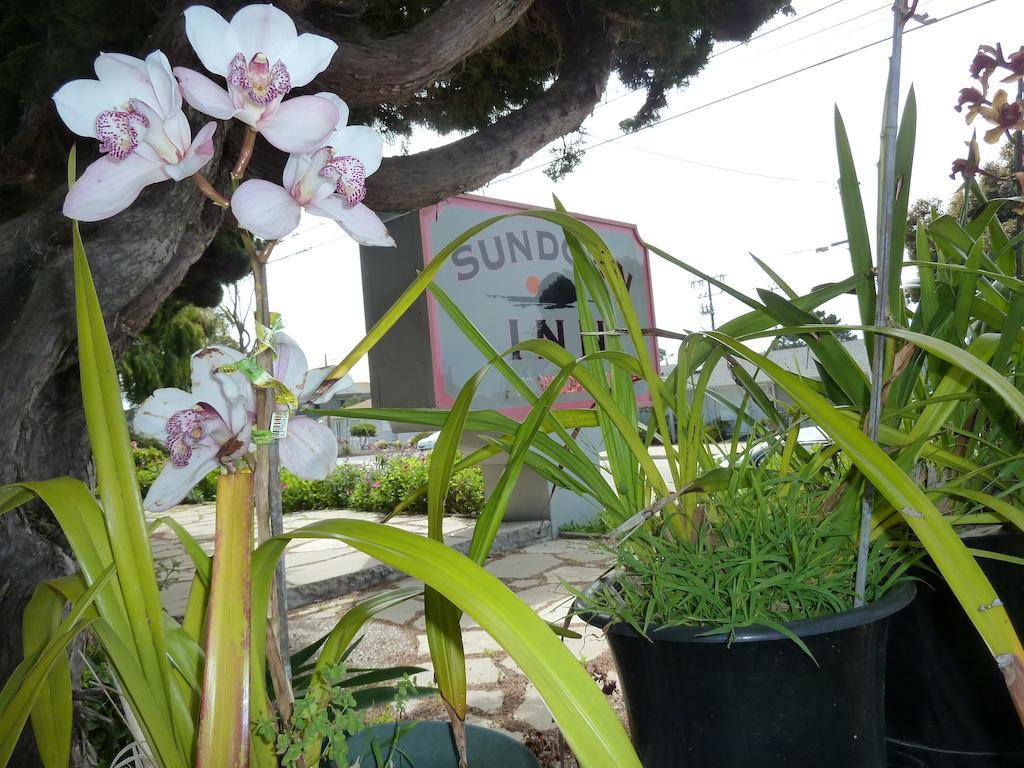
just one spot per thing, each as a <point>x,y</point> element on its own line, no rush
<point>1015,63</point>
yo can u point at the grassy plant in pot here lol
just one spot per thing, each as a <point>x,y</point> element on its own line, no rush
<point>741,642</point>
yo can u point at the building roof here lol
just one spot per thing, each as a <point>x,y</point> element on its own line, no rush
<point>799,360</point>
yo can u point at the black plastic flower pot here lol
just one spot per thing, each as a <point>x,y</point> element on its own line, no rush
<point>947,703</point>
<point>428,744</point>
<point>700,700</point>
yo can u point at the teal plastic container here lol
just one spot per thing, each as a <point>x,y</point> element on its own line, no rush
<point>428,744</point>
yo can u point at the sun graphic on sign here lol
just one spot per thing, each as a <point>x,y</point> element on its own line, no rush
<point>532,284</point>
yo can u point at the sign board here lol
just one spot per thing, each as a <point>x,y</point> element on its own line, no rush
<point>513,280</point>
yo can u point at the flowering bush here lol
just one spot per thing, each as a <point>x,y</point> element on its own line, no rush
<point>376,487</point>
<point>380,487</point>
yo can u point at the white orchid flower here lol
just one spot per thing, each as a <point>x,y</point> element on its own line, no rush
<point>330,182</point>
<point>262,58</point>
<point>204,429</point>
<point>310,449</point>
<point>134,109</point>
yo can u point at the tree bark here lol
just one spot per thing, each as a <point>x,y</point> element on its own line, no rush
<point>412,181</point>
<point>391,70</point>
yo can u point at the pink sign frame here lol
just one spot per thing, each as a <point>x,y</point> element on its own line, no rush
<point>492,207</point>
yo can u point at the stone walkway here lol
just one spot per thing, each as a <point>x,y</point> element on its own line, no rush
<point>317,569</point>
<point>325,578</point>
<point>499,695</point>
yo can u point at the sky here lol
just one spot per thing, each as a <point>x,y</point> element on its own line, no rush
<point>754,173</point>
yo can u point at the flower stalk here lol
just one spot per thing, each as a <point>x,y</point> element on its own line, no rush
<point>245,155</point>
<point>204,186</point>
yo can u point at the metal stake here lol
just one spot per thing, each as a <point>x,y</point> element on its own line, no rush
<point>902,11</point>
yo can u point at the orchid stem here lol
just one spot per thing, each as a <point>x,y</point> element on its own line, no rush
<point>207,189</point>
<point>244,155</point>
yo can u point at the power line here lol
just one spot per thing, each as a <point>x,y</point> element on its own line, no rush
<point>307,248</point>
<point>780,27</point>
<point>749,89</point>
<point>799,18</point>
<point>739,171</point>
<point>829,28</point>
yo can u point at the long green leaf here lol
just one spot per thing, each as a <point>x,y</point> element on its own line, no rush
<point>22,689</point>
<point>51,715</point>
<point>118,488</point>
<point>590,726</point>
<point>856,225</point>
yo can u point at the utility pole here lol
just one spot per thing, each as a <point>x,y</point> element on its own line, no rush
<point>707,293</point>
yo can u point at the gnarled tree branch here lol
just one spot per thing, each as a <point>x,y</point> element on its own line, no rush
<point>421,179</point>
<point>391,70</point>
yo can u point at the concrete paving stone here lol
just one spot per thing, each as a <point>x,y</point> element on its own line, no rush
<point>425,678</point>
<point>533,711</point>
<point>175,597</point>
<point>518,585</point>
<point>522,564</point>
<point>588,647</point>
<point>481,671</point>
<point>488,701</point>
<point>402,613</point>
<point>324,558</point>
<point>578,575</point>
<point>474,641</point>
<point>566,547</point>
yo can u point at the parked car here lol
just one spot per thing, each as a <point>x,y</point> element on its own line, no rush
<point>809,437</point>
<point>427,443</point>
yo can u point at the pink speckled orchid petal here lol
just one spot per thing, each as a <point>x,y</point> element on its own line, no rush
<point>174,482</point>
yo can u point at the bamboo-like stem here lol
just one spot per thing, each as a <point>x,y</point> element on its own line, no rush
<point>223,740</point>
<point>1017,166</point>
<point>1013,674</point>
<point>887,189</point>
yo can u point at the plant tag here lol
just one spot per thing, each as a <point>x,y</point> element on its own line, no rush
<point>279,424</point>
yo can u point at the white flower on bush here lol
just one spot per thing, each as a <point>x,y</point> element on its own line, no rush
<point>330,182</point>
<point>262,58</point>
<point>204,429</point>
<point>134,109</point>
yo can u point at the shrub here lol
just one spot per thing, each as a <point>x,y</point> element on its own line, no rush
<point>363,429</point>
<point>378,486</point>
